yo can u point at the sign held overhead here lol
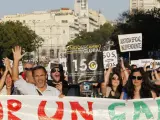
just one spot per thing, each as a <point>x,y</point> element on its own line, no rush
<point>130,42</point>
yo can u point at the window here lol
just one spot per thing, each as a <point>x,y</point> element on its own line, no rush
<point>24,21</point>
<point>75,20</point>
<point>85,25</point>
<point>51,53</point>
<point>64,21</point>
<point>57,53</point>
<point>44,52</point>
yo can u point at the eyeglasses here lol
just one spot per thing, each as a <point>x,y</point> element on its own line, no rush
<point>136,77</point>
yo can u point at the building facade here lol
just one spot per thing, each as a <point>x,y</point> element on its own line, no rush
<point>143,4</point>
<point>58,27</point>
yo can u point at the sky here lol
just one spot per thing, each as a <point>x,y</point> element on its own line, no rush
<point>110,8</point>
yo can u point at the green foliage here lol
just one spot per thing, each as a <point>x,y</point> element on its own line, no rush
<point>14,33</point>
<point>99,36</point>
<point>145,22</point>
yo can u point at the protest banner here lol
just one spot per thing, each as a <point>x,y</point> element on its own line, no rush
<point>145,61</point>
<point>77,108</point>
<point>130,42</point>
<point>157,62</point>
<point>84,63</point>
<point>136,62</point>
<point>110,58</point>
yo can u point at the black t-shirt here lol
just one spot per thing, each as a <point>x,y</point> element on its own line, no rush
<point>64,86</point>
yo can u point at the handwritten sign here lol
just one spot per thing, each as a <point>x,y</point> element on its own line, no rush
<point>130,42</point>
<point>110,58</point>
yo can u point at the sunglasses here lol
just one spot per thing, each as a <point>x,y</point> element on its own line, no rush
<point>55,70</point>
<point>136,77</point>
<point>28,69</point>
<point>113,78</point>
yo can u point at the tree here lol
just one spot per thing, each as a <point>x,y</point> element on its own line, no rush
<point>145,22</point>
<point>15,33</point>
<point>100,36</point>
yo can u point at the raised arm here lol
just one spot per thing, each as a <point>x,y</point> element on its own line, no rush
<point>144,67</point>
<point>126,75</point>
<point>155,71</point>
<point>7,64</point>
<point>3,78</point>
<point>106,80</point>
<point>17,56</point>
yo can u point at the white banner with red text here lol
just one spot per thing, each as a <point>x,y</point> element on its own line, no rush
<point>77,108</point>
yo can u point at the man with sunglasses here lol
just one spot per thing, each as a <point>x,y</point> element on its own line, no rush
<point>39,75</point>
<point>27,67</point>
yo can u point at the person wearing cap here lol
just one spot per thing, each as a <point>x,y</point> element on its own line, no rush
<point>57,75</point>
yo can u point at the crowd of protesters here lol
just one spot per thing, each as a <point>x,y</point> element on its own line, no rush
<point>121,82</point>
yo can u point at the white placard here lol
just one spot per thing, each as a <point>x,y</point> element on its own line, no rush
<point>157,63</point>
<point>110,58</point>
<point>130,42</point>
<point>145,61</point>
<point>135,62</point>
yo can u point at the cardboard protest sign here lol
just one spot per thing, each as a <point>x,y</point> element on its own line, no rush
<point>110,58</point>
<point>84,63</point>
<point>130,42</point>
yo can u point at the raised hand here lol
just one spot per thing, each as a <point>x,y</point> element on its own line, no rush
<point>59,87</point>
<point>122,63</point>
<point>154,65</point>
<point>17,53</point>
<point>7,63</point>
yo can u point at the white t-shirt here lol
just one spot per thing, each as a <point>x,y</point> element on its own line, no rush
<point>3,91</point>
<point>30,89</point>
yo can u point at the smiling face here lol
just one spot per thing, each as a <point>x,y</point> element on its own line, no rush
<point>40,78</point>
<point>55,74</point>
<point>8,81</point>
<point>115,80</point>
<point>137,79</point>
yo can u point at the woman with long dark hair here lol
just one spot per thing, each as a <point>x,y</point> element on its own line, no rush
<point>112,86</point>
<point>138,86</point>
<point>57,75</point>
